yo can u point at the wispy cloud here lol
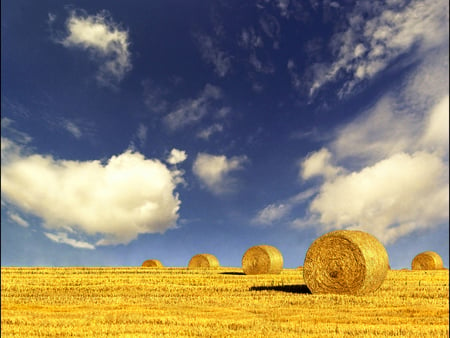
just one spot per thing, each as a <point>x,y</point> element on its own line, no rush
<point>278,211</point>
<point>293,73</point>
<point>106,43</point>
<point>250,39</point>
<point>61,237</point>
<point>119,199</point>
<point>16,218</point>
<point>212,54</point>
<point>386,172</point>
<point>370,44</point>
<point>214,171</point>
<point>154,96</point>
<point>191,111</point>
<point>271,27</point>
<point>208,131</point>
<point>72,128</point>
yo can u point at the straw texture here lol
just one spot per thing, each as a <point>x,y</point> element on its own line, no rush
<point>203,261</point>
<point>428,260</point>
<point>345,262</point>
<point>262,259</point>
<point>152,263</point>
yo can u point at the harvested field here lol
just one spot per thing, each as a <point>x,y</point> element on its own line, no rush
<point>224,302</point>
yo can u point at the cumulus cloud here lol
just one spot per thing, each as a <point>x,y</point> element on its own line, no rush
<point>214,171</point>
<point>318,164</point>
<point>105,41</point>
<point>118,199</point>
<point>369,45</point>
<point>387,171</point>
<point>395,196</point>
<point>398,183</point>
<point>176,156</point>
<point>191,111</point>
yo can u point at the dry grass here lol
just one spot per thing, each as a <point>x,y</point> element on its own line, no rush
<point>345,262</point>
<point>262,259</point>
<point>152,263</point>
<point>428,260</point>
<point>178,302</point>
<point>203,261</point>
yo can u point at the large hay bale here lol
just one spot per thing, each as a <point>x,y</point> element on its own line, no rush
<point>152,263</point>
<point>262,259</point>
<point>428,260</point>
<point>345,262</point>
<point>203,261</point>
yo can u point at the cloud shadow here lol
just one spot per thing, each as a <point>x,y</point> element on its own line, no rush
<point>303,289</point>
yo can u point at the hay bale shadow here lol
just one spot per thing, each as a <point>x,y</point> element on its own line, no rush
<point>302,288</point>
<point>233,273</point>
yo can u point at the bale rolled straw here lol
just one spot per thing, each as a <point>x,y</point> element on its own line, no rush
<point>428,260</point>
<point>345,262</point>
<point>203,261</point>
<point>262,259</point>
<point>152,263</point>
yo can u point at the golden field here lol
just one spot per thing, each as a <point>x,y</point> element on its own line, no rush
<point>223,302</point>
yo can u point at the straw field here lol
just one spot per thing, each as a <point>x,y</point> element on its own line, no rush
<point>220,302</point>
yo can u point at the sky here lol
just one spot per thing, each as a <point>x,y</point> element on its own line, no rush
<point>163,129</point>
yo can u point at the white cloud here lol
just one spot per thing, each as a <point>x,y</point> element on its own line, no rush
<point>259,66</point>
<point>395,179</point>
<point>207,132</point>
<point>176,156</point>
<point>436,134</point>
<point>191,111</point>
<point>392,160</point>
<point>370,44</point>
<point>212,54</point>
<point>120,199</point>
<point>249,39</point>
<point>271,27</point>
<point>283,6</point>
<point>73,129</point>
<point>105,41</point>
<point>214,171</point>
<point>393,197</point>
<point>142,133</point>
<point>61,237</point>
<point>271,213</point>
<point>292,70</point>
<point>275,212</point>
<point>318,164</point>
<point>18,219</point>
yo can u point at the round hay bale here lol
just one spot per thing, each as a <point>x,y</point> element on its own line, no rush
<point>345,262</point>
<point>152,263</point>
<point>203,261</point>
<point>262,259</point>
<point>428,260</point>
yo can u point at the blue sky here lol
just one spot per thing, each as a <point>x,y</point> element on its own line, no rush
<point>163,129</point>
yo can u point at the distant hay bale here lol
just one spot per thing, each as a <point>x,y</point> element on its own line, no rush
<point>262,259</point>
<point>345,262</point>
<point>152,263</point>
<point>428,260</point>
<point>203,261</point>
